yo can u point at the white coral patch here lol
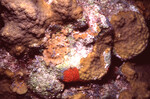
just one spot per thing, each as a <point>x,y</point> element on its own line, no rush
<point>104,21</point>
<point>107,57</point>
<point>73,58</point>
<point>133,8</point>
<point>95,18</point>
<point>49,1</point>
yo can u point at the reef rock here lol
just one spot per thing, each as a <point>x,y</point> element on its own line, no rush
<point>79,48</point>
<point>44,81</point>
<point>130,34</point>
<point>87,43</point>
<point>96,64</point>
<point>25,22</point>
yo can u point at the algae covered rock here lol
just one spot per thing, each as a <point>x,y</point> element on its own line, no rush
<point>130,34</point>
<point>88,46</point>
<point>44,81</point>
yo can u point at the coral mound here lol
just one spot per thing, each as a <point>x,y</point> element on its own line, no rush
<point>131,34</point>
<point>25,22</point>
<point>66,9</point>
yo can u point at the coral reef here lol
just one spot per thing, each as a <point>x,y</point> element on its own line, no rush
<point>85,49</point>
<point>25,22</point>
<point>7,61</point>
<point>70,44</point>
<point>79,95</point>
<point>5,88</point>
<point>131,34</point>
<point>22,28</point>
<point>57,47</point>
<point>66,9</point>
<point>88,46</point>
<point>95,66</point>
<point>143,6</point>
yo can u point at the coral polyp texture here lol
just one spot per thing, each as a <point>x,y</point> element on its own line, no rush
<point>66,9</point>
<point>132,23</point>
<point>25,22</point>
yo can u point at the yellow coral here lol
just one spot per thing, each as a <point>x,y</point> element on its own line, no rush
<point>94,65</point>
<point>20,87</point>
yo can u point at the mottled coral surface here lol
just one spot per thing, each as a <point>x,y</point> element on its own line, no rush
<point>84,49</point>
<point>131,34</point>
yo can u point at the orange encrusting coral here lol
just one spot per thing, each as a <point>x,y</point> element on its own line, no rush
<point>71,75</point>
<point>84,35</point>
<point>57,48</point>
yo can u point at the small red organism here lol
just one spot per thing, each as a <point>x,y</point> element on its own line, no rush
<point>71,75</point>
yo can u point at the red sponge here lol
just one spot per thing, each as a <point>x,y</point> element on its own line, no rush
<point>71,75</point>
